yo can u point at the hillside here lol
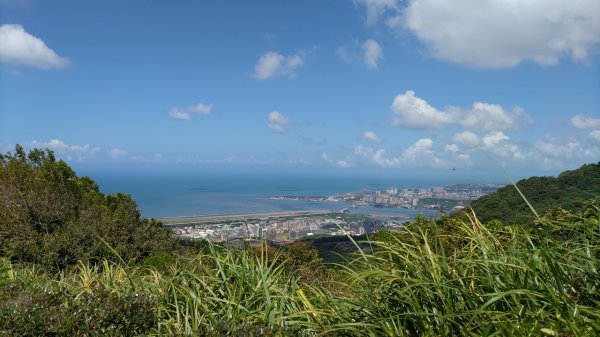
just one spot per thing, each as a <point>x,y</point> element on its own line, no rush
<point>53,218</point>
<point>76,262</point>
<point>569,191</point>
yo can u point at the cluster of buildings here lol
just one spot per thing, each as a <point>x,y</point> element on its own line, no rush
<point>288,227</point>
<point>282,229</point>
<point>417,197</point>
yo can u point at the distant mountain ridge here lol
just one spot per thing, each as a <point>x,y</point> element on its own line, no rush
<point>569,191</point>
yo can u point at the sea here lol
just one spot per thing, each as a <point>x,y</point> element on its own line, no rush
<point>162,195</point>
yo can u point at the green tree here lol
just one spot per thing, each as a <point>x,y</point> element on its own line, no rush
<point>51,217</point>
<point>570,191</point>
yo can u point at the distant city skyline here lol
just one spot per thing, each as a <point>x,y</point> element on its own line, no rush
<point>356,87</point>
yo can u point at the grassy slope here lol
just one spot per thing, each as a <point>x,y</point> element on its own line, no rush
<point>445,277</point>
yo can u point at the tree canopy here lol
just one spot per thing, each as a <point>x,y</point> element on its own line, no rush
<point>52,217</point>
<point>570,190</point>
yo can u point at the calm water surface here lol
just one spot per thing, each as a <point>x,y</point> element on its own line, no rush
<point>169,195</point>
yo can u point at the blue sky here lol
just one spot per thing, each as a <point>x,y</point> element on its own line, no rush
<point>364,87</point>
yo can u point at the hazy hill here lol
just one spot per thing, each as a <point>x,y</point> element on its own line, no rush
<point>569,191</point>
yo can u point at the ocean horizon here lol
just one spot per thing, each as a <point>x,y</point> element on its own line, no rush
<point>161,195</point>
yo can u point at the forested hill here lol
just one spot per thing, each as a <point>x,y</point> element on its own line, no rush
<point>569,191</point>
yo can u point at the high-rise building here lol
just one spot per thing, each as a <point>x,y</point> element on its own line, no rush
<point>392,190</point>
<point>272,234</point>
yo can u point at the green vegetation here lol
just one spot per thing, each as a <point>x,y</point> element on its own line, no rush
<point>438,277</point>
<point>569,190</point>
<point>51,217</point>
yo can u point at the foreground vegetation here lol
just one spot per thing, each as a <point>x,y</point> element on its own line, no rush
<point>452,276</point>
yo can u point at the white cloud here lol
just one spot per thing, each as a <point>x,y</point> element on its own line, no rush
<point>278,122</point>
<point>415,113</point>
<point>21,48</point>
<point>563,151</point>
<point>372,53</point>
<point>336,163</point>
<point>116,153</point>
<point>201,109</point>
<point>186,113</point>
<point>494,138</point>
<point>68,152</point>
<point>376,156</point>
<point>466,137</point>
<point>417,155</point>
<point>499,144</point>
<point>452,148</point>
<point>595,135</point>
<point>273,64</point>
<point>180,114</point>
<point>370,136</point>
<point>584,122</point>
<point>484,116</point>
<point>376,8</point>
<point>421,153</point>
<point>557,153</point>
<point>496,33</point>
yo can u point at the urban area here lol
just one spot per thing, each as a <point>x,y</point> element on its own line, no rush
<point>289,226</point>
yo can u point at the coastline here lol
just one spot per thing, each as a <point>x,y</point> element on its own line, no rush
<point>229,217</point>
<point>200,219</point>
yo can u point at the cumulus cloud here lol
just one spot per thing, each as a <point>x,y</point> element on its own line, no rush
<point>466,137</point>
<point>484,116</point>
<point>69,152</point>
<point>186,113</point>
<point>370,136</point>
<point>376,156</point>
<point>595,135</point>
<point>116,153</point>
<point>556,153</point>
<point>273,64</point>
<point>452,148</point>
<point>336,163</point>
<point>201,109</point>
<point>497,33</point>
<point>499,144</point>
<point>585,122</point>
<point>494,138</point>
<point>420,153</point>
<point>376,8</point>
<point>277,122</point>
<point>18,47</point>
<point>180,114</point>
<point>413,112</point>
<point>372,53</point>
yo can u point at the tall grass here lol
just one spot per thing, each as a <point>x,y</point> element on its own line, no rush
<point>446,277</point>
<point>468,280</point>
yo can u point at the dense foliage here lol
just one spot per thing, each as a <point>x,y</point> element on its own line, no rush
<point>51,217</point>
<point>569,190</point>
<point>438,277</point>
